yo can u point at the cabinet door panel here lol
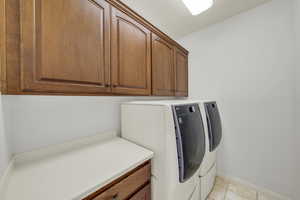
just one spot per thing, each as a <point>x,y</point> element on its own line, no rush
<point>128,186</point>
<point>162,67</point>
<point>131,72</point>
<point>181,73</point>
<point>143,194</point>
<point>65,46</point>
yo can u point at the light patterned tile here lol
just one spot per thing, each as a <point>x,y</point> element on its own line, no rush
<point>221,182</point>
<point>218,193</point>
<point>234,196</point>
<point>242,191</point>
<point>262,196</point>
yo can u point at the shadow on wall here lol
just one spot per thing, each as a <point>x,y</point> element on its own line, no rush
<point>4,144</point>
<point>38,121</point>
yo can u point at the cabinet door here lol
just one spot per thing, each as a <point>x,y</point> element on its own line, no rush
<point>125,188</point>
<point>131,64</point>
<point>65,46</point>
<point>162,67</point>
<point>181,73</point>
<point>143,194</point>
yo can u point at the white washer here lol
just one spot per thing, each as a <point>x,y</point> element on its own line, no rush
<point>174,131</point>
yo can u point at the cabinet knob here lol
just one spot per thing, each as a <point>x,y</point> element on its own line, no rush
<point>107,85</point>
<point>115,197</point>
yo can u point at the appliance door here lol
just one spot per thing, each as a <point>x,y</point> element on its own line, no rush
<point>214,125</point>
<point>190,139</point>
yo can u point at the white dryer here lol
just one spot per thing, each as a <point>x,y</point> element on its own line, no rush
<point>213,135</point>
<point>175,132</point>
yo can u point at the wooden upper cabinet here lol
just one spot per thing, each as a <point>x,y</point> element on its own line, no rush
<point>181,73</point>
<point>65,46</point>
<point>162,67</point>
<point>131,55</point>
<point>86,47</point>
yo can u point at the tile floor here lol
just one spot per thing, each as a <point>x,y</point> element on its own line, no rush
<point>226,190</point>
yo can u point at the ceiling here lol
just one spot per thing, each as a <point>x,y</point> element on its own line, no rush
<point>173,18</point>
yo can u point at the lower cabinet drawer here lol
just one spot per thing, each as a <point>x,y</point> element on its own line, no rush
<point>127,186</point>
<point>143,194</point>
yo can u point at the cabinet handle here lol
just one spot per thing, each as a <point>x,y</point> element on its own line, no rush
<point>114,85</point>
<point>107,85</point>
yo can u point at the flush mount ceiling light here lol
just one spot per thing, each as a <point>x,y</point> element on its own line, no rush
<point>198,6</point>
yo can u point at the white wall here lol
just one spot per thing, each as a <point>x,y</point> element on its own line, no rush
<point>246,64</point>
<point>297,52</point>
<point>4,144</point>
<point>296,12</point>
<point>38,121</point>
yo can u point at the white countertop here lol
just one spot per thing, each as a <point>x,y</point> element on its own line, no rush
<point>76,173</point>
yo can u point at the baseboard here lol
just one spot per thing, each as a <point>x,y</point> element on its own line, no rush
<point>255,187</point>
<point>5,177</point>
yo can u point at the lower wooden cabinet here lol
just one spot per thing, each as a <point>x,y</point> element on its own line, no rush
<point>135,185</point>
<point>143,194</point>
